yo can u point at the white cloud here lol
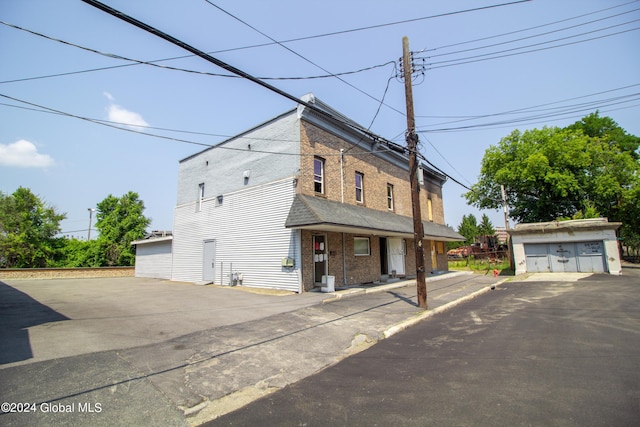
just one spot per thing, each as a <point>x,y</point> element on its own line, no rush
<point>23,154</point>
<point>124,116</point>
<point>116,113</point>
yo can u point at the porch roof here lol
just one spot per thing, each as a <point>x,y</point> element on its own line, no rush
<point>316,213</point>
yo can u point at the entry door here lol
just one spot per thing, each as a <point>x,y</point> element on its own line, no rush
<point>320,257</point>
<point>209,261</point>
<point>563,257</point>
<point>434,256</point>
<point>396,251</point>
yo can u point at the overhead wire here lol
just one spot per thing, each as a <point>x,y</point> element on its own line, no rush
<point>526,29</point>
<point>334,33</point>
<point>471,60</point>
<point>432,64</point>
<point>311,106</point>
<point>569,110</point>
<point>518,110</point>
<point>155,64</point>
<point>301,56</point>
<point>539,35</point>
<point>131,128</point>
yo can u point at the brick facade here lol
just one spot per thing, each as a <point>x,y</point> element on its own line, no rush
<point>377,174</point>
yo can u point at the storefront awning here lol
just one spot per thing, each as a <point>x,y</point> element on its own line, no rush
<point>316,213</point>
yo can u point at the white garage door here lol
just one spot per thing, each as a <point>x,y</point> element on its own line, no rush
<point>584,257</point>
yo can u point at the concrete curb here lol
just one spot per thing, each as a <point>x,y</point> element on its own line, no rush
<point>399,327</point>
<point>336,296</point>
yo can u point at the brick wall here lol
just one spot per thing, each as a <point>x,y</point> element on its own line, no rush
<point>66,273</point>
<point>376,171</point>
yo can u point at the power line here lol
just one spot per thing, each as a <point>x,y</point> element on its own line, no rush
<point>528,29</point>
<point>120,126</point>
<point>302,57</point>
<point>365,28</point>
<point>154,63</point>
<point>539,35</point>
<point>480,116</point>
<point>375,26</point>
<point>233,69</point>
<point>573,110</point>
<point>539,44</point>
<point>434,66</point>
<point>447,161</point>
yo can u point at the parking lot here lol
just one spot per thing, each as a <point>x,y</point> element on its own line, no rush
<point>48,319</point>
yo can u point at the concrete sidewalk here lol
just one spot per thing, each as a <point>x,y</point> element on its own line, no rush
<point>193,378</point>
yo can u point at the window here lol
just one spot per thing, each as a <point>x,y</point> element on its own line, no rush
<point>361,246</point>
<point>430,209</point>
<point>318,175</point>
<point>359,187</point>
<point>390,197</point>
<point>200,197</point>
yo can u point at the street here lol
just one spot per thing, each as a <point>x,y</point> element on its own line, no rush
<point>529,353</point>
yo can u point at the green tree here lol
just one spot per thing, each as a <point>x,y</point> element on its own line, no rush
<point>27,231</point>
<point>468,228</point>
<point>485,228</point>
<point>555,172</point>
<point>119,222</point>
<point>80,253</point>
<point>607,130</point>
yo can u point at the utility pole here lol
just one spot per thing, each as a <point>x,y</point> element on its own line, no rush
<point>412,143</point>
<point>506,226</point>
<point>504,207</point>
<point>91,211</point>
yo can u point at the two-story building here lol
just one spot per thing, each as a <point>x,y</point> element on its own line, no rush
<point>302,196</point>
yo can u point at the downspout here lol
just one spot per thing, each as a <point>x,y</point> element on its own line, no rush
<point>342,174</point>
<point>344,255</point>
<point>344,263</point>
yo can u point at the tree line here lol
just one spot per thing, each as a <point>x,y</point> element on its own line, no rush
<point>29,233</point>
<point>469,228</point>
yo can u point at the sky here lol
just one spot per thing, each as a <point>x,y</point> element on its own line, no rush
<point>486,72</point>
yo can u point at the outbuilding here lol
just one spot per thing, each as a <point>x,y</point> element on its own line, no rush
<point>585,246</point>
<point>154,255</point>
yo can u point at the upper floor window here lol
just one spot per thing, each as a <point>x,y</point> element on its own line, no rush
<point>430,209</point>
<point>318,175</point>
<point>390,197</point>
<point>359,187</point>
<point>200,197</point>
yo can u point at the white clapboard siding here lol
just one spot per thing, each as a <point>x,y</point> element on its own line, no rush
<point>248,228</point>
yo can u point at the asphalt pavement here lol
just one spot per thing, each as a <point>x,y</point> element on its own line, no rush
<point>143,352</point>
<point>553,350</point>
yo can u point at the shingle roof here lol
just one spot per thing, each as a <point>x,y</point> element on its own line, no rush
<point>316,212</point>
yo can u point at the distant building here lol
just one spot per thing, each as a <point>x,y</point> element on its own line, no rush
<point>501,234</point>
<point>300,199</point>
<point>585,245</point>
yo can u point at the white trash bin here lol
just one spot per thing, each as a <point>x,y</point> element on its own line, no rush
<point>329,282</point>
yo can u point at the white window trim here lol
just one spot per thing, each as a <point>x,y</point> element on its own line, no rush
<point>390,201</point>
<point>368,246</point>
<point>321,181</point>
<point>200,197</point>
<point>361,188</point>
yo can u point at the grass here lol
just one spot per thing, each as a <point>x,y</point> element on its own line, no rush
<point>481,266</point>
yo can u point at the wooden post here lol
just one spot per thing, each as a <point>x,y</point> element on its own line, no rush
<point>412,143</point>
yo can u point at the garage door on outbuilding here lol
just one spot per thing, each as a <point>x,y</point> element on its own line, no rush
<point>584,246</point>
<point>582,257</point>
